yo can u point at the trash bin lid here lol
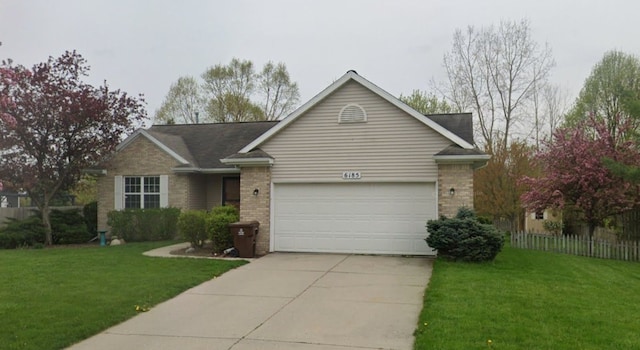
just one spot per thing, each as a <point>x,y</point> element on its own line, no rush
<point>244,223</point>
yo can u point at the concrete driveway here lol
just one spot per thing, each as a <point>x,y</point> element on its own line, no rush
<point>287,301</point>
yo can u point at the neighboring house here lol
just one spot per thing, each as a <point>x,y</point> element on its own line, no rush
<point>354,170</point>
<point>534,221</point>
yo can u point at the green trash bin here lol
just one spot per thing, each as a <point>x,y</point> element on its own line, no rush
<point>244,237</point>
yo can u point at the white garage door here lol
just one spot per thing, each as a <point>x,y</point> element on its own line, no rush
<point>379,218</point>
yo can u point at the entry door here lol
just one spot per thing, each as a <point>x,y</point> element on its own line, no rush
<point>231,191</point>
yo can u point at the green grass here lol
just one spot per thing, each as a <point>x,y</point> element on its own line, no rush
<point>532,300</point>
<point>52,298</point>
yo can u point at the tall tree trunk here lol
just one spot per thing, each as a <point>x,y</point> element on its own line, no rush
<point>46,222</point>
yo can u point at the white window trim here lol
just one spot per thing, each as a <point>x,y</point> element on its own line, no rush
<point>119,193</point>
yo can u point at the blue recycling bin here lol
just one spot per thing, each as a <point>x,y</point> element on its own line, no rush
<point>103,238</point>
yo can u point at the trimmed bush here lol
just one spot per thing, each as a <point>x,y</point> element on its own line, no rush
<point>140,225</point>
<point>464,238</point>
<point>192,226</point>
<point>69,227</point>
<point>218,226</point>
<point>22,233</point>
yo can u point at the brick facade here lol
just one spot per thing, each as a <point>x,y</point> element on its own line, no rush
<point>460,178</point>
<point>140,158</point>
<point>258,207</point>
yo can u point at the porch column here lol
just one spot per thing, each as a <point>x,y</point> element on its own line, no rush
<point>458,177</point>
<point>257,206</point>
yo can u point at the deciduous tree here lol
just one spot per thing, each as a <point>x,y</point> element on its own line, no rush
<point>611,93</point>
<point>236,93</point>
<point>547,109</point>
<point>426,103</point>
<point>492,72</point>
<point>573,173</point>
<point>53,125</point>
<point>230,88</point>
<point>497,187</point>
<point>279,92</point>
<point>184,103</point>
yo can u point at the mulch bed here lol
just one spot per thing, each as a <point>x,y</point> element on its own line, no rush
<point>205,251</point>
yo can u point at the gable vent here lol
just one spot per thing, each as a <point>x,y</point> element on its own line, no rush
<point>352,113</point>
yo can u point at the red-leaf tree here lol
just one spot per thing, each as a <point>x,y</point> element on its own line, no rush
<point>573,173</point>
<point>53,125</point>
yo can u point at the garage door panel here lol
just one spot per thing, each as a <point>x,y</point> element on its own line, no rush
<point>379,218</point>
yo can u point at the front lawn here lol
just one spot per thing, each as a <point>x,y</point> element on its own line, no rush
<point>52,298</point>
<point>532,300</point>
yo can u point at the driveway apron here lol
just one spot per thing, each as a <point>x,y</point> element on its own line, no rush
<point>287,301</point>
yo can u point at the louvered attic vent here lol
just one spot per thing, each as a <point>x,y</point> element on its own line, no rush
<point>352,113</point>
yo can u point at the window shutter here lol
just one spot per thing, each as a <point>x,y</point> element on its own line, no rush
<point>118,199</point>
<point>164,191</point>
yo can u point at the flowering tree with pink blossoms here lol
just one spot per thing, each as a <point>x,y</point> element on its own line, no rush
<point>53,125</point>
<point>575,173</point>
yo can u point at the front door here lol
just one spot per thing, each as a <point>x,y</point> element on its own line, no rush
<point>231,191</point>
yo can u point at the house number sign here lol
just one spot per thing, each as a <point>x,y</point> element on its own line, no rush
<point>351,175</point>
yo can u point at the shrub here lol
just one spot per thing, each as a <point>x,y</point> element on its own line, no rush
<point>192,226</point>
<point>218,226</point>
<point>20,233</point>
<point>139,225</point>
<point>90,213</point>
<point>68,227</point>
<point>554,227</point>
<point>464,238</point>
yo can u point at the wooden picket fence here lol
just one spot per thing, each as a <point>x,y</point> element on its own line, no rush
<point>578,245</point>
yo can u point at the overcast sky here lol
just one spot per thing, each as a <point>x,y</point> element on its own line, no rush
<point>143,46</point>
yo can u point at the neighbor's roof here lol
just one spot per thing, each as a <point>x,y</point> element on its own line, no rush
<point>353,76</point>
<point>198,147</point>
<point>460,124</point>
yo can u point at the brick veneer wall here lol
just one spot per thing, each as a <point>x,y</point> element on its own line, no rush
<point>256,207</point>
<point>140,158</point>
<point>459,177</point>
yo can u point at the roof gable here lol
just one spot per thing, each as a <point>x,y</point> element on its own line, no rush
<point>144,133</point>
<point>353,76</point>
<point>201,146</point>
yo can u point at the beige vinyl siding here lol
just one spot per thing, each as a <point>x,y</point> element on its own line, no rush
<point>390,146</point>
<point>214,190</point>
<point>197,197</point>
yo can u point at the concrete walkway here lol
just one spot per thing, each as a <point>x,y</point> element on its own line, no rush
<point>287,301</point>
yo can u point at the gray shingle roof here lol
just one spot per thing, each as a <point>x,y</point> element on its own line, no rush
<point>460,124</point>
<point>256,153</point>
<point>203,145</point>
<point>455,150</point>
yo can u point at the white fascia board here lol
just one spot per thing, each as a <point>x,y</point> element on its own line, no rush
<point>207,170</point>
<point>128,140</point>
<point>155,141</point>
<point>478,161</point>
<point>461,158</point>
<point>350,75</point>
<point>247,161</point>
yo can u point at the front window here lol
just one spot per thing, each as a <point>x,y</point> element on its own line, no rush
<point>142,192</point>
